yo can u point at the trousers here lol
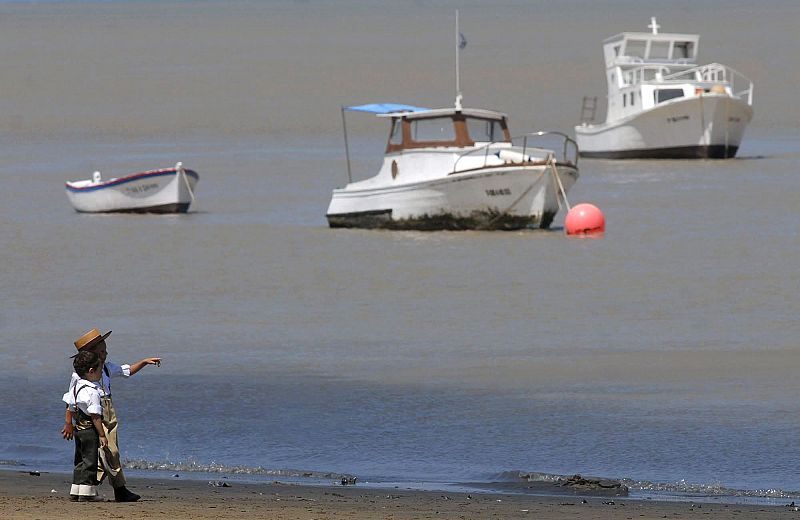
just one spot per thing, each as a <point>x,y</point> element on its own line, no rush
<point>112,458</point>
<point>84,476</point>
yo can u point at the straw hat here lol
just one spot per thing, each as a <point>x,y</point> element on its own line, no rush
<point>90,339</point>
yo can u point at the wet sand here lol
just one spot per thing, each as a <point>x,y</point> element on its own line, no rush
<point>24,496</point>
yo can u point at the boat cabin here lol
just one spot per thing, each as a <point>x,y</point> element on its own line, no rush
<point>641,48</point>
<point>445,128</point>
<point>644,70</point>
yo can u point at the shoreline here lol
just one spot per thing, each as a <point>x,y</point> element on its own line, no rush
<point>26,495</point>
<point>548,485</point>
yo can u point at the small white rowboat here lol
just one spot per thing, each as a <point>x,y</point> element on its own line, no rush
<point>170,190</point>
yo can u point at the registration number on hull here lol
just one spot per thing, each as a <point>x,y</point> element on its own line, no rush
<point>498,192</point>
<point>675,119</point>
<point>142,188</point>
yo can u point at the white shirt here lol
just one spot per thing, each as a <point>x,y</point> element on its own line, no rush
<point>104,387</point>
<point>87,397</point>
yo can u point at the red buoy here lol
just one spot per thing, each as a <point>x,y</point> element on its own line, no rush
<point>584,219</point>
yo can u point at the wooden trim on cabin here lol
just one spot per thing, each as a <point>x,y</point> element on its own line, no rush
<point>460,129</point>
<point>462,132</point>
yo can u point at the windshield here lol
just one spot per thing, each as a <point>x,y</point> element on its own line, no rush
<point>433,129</point>
<point>485,130</point>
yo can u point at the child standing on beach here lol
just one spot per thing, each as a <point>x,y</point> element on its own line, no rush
<point>88,429</point>
<point>95,342</point>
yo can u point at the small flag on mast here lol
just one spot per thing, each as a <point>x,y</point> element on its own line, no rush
<point>462,42</point>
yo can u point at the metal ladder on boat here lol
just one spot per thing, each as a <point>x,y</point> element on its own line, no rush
<point>588,109</point>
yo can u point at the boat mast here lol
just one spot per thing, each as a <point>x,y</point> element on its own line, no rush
<point>458,72</point>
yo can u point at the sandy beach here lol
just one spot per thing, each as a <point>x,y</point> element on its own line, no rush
<point>24,496</point>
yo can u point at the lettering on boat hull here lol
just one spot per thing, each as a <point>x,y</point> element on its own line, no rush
<point>675,119</point>
<point>476,220</point>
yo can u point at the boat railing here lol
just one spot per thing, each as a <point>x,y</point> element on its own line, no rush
<point>711,73</point>
<point>530,154</point>
<point>644,74</point>
<point>717,73</point>
<point>626,61</point>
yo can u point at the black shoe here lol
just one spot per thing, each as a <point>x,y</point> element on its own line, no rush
<point>123,494</point>
<point>91,498</point>
<point>73,498</point>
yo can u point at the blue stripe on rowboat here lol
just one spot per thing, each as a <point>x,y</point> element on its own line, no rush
<point>129,178</point>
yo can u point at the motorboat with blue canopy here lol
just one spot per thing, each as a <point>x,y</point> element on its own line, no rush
<point>455,168</point>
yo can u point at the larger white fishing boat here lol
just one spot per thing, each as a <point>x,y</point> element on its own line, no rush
<point>661,104</point>
<point>456,168</point>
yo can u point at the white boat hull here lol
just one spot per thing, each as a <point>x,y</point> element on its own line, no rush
<point>157,191</point>
<point>509,197</point>
<point>707,126</point>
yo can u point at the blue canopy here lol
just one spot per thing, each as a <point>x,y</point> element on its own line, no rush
<point>385,108</point>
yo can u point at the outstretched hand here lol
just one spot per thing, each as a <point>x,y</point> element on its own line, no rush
<point>66,431</point>
<point>143,363</point>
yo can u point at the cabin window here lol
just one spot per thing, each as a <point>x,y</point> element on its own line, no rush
<point>624,100</point>
<point>665,94</point>
<point>683,50</point>
<point>616,50</point>
<point>435,129</point>
<point>628,77</point>
<point>485,130</point>
<point>396,137</point>
<point>659,50</point>
<point>632,102</point>
<point>636,48</point>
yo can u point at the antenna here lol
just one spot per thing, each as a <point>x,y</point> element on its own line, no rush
<point>653,25</point>
<point>458,72</point>
<point>461,42</point>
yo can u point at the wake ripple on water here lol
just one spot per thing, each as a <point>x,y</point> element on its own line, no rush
<point>258,471</point>
<point>709,490</point>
